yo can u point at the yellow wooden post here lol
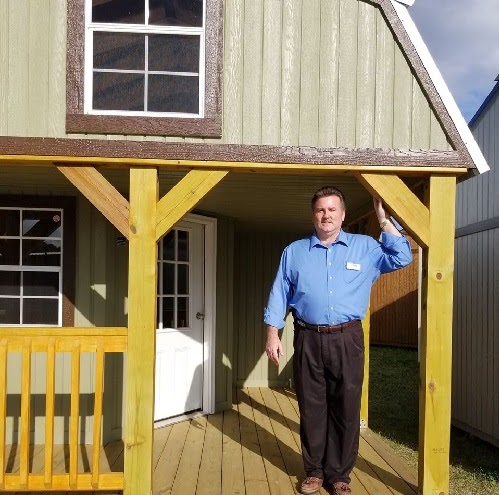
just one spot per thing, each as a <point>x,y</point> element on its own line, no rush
<point>436,339</point>
<point>364,404</point>
<point>141,331</point>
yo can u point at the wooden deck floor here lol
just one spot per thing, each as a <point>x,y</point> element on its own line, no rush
<point>252,449</point>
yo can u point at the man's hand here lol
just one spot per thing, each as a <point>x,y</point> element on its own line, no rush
<point>384,219</point>
<point>273,347</point>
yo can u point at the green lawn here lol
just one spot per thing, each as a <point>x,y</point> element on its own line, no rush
<point>393,413</point>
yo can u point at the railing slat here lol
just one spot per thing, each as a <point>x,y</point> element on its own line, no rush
<point>25,412</point>
<point>49,413</point>
<point>99,389</point>
<point>75,415</point>
<point>3,407</point>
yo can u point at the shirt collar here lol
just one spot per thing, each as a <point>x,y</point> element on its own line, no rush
<point>342,237</point>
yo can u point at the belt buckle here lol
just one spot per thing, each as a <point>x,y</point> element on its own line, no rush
<point>319,329</point>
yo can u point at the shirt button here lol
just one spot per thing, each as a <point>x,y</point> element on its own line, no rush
<point>332,308</point>
<point>329,264</point>
<point>330,278</point>
<point>330,291</point>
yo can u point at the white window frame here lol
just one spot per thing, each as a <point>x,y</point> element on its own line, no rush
<point>38,268</point>
<point>91,27</point>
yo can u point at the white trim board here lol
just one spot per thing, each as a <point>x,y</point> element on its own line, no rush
<point>440,85</point>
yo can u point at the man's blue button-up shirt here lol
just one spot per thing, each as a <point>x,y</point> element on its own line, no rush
<point>332,284</point>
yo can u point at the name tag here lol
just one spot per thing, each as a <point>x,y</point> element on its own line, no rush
<point>353,266</point>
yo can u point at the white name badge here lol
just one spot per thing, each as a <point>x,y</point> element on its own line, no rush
<point>353,266</point>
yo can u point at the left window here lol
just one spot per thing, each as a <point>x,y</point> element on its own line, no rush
<point>33,289</point>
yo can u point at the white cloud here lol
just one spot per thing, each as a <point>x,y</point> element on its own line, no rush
<point>463,37</point>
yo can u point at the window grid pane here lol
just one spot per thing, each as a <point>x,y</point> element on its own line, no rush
<point>172,51</point>
<point>174,280</point>
<point>31,266</point>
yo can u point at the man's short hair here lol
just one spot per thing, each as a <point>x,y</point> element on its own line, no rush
<point>328,191</point>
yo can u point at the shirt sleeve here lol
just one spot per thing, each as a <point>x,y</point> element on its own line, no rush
<point>279,296</point>
<point>392,253</point>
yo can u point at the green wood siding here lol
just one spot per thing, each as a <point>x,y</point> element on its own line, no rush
<point>101,300</point>
<point>256,260</point>
<point>295,72</point>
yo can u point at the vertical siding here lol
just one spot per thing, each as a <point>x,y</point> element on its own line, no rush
<point>225,322</point>
<point>366,76</point>
<point>295,72</point>
<point>475,387</point>
<point>256,260</point>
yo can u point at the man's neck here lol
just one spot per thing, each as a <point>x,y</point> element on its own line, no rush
<point>329,239</point>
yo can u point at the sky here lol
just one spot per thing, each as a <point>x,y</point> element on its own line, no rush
<point>463,38</point>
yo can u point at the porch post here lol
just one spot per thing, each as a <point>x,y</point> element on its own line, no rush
<point>436,339</point>
<point>142,269</point>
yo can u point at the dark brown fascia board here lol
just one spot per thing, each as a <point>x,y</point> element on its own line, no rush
<point>412,57</point>
<point>98,150</point>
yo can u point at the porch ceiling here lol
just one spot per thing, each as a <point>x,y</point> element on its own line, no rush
<point>258,202</point>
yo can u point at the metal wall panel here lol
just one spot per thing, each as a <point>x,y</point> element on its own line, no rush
<point>475,385</point>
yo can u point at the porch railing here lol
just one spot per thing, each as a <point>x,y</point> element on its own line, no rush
<point>52,341</point>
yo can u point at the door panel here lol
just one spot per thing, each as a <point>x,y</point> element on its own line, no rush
<point>179,335</point>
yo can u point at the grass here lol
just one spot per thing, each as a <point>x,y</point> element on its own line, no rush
<point>393,413</point>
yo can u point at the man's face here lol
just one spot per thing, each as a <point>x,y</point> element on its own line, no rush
<point>328,216</point>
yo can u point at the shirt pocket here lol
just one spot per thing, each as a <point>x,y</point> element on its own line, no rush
<point>355,270</point>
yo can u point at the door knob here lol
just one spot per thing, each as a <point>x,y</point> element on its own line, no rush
<point>199,315</point>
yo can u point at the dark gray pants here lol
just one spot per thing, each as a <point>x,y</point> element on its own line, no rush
<point>328,373</point>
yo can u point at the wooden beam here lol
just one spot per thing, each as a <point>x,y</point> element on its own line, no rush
<point>402,202</point>
<point>436,340</point>
<point>142,269</point>
<point>184,196</point>
<point>101,193</point>
<point>364,403</point>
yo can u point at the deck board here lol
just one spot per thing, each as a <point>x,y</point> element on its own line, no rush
<point>254,448</point>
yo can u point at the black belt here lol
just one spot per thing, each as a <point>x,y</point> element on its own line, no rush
<point>327,328</point>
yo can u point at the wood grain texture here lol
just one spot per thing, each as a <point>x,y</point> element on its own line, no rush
<point>183,197</point>
<point>74,414</point>
<point>328,72</point>
<point>101,194</point>
<point>4,61</point>
<point>404,204</point>
<point>347,75</point>
<point>49,412</point>
<point>384,103</point>
<point>142,270</point>
<point>291,59</point>
<point>31,151</point>
<point>233,72</point>
<point>3,408</point>
<point>252,71</point>
<point>366,76</point>
<point>436,339</point>
<point>271,72</point>
<point>309,73</point>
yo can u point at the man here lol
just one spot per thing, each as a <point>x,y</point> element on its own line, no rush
<point>326,280</point>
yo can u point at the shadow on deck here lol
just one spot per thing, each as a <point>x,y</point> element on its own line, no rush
<point>252,449</point>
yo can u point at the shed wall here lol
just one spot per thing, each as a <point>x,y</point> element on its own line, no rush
<point>475,387</point>
<point>101,300</point>
<point>295,72</point>
<point>256,261</point>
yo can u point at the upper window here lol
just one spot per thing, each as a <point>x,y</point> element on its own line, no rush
<point>155,61</point>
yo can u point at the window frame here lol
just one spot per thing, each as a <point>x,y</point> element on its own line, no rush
<point>77,121</point>
<point>68,240</point>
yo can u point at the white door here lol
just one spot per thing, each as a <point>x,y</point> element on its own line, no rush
<point>179,335</point>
